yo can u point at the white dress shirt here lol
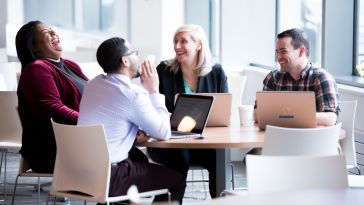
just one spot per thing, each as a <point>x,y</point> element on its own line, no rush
<point>123,107</point>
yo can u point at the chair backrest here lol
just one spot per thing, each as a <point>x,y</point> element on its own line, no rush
<point>347,118</point>
<point>3,86</point>
<point>287,173</point>
<point>82,161</point>
<point>8,70</point>
<point>236,85</point>
<point>10,126</point>
<point>3,57</point>
<point>301,141</point>
<point>91,69</point>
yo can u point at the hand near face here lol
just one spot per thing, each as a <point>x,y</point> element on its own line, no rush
<point>149,77</point>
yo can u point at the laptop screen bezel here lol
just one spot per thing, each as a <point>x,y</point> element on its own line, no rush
<point>180,96</point>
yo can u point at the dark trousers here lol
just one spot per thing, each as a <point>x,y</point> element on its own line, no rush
<point>40,164</point>
<point>146,176</point>
<point>181,159</point>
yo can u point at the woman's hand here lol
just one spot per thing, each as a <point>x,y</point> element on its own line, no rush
<point>149,77</point>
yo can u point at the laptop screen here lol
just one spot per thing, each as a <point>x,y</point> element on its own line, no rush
<point>191,113</point>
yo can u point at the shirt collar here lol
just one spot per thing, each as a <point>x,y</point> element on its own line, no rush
<point>304,72</point>
<point>120,76</point>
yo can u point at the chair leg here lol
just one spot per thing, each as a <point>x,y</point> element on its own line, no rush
<point>358,168</point>
<point>1,162</point>
<point>15,185</point>
<point>38,197</point>
<point>5,155</point>
<point>204,185</point>
<point>169,197</point>
<point>232,176</point>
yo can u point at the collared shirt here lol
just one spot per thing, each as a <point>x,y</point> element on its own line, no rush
<point>123,108</point>
<point>311,79</point>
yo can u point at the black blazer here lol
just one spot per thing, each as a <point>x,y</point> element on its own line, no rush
<point>171,83</point>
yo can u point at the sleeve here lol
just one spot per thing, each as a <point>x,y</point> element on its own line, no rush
<point>151,115</point>
<point>160,70</point>
<point>224,88</point>
<point>326,93</point>
<point>40,90</point>
<point>268,82</point>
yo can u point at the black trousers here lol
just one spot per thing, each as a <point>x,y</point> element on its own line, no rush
<point>181,159</point>
<point>146,176</point>
<point>41,164</point>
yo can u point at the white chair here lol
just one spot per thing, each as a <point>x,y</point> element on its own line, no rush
<point>26,171</point>
<point>91,69</point>
<point>347,118</point>
<point>3,56</point>
<point>287,173</point>
<point>10,128</point>
<point>301,141</point>
<point>8,70</point>
<point>3,86</point>
<point>298,141</point>
<point>236,83</point>
<point>82,168</point>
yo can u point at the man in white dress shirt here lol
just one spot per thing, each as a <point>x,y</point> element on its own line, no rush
<point>125,109</point>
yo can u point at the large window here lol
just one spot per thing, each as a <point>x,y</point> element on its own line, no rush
<point>206,13</point>
<point>306,15</point>
<point>109,16</point>
<point>359,68</point>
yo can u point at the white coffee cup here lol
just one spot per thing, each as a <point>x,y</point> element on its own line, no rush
<point>246,115</point>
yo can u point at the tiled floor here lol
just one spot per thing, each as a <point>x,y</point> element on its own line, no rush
<point>27,195</point>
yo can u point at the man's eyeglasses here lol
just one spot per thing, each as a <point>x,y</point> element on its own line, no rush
<point>131,52</point>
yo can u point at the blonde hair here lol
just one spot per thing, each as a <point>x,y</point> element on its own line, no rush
<point>204,64</point>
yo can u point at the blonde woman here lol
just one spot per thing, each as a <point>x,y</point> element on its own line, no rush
<point>191,71</point>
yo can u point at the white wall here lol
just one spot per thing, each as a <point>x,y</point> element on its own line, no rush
<point>249,32</point>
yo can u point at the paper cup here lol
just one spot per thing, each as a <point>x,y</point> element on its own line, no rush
<point>246,115</point>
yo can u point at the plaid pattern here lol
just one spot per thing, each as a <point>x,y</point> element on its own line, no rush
<point>311,79</point>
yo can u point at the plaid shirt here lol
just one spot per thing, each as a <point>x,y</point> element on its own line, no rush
<point>311,79</point>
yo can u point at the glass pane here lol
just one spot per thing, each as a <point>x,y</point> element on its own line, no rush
<point>206,14</point>
<point>359,69</point>
<point>305,15</point>
<point>114,17</point>
<point>59,13</point>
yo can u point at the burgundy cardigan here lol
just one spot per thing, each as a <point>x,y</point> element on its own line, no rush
<point>45,92</point>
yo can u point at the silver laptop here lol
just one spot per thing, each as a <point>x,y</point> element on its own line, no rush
<point>220,110</point>
<point>190,115</point>
<point>296,109</point>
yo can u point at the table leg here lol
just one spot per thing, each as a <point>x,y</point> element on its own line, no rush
<point>223,170</point>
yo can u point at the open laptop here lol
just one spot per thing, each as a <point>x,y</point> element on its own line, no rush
<point>296,109</point>
<point>220,110</point>
<point>190,115</point>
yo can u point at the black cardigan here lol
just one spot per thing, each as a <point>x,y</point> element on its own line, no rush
<point>171,83</point>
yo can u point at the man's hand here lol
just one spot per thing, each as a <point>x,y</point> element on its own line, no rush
<point>149,77</point>
<point>141,137</point>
